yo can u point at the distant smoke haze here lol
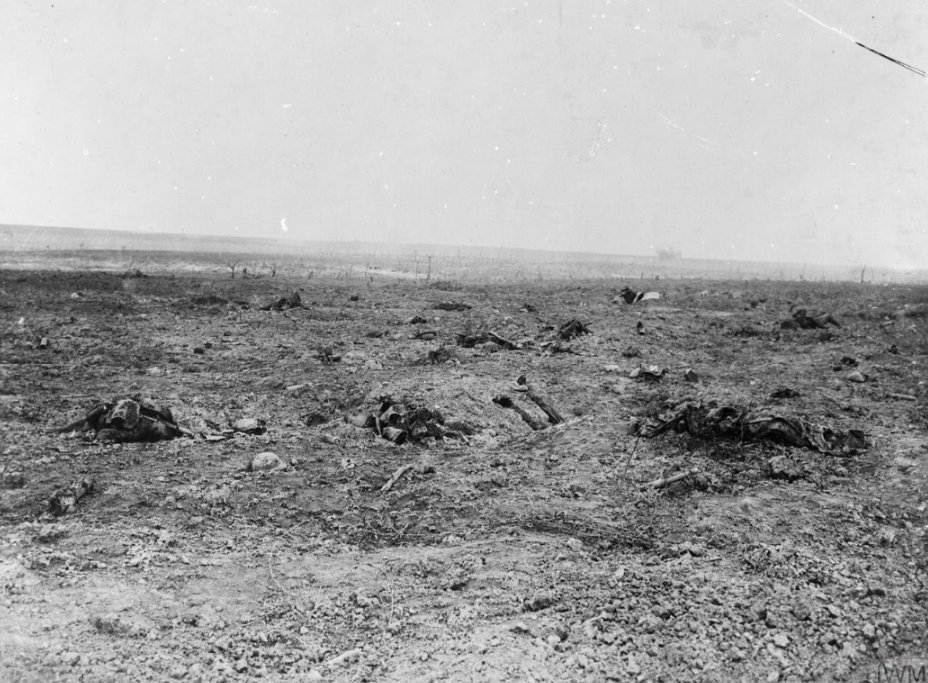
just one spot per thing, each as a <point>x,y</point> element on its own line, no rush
<point>749,131</point>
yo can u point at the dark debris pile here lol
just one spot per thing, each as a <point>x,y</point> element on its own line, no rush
<point>401,422</point>
<point>710,421</point>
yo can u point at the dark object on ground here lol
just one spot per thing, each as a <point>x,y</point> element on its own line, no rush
<point>785,392</point>
<point>452,306</point>
<point>283,303</point>
<point>630,296</point>
<point>538,602</point>
<point>571,329</point>
<point>469,341</point>
<point>639,327</point>
<point>746,331</point>
<point>631,352</point>
<point>807,322</point>
<point>425,335</point>
<point>706,421</point>
<point>523,386</point>
<point>553,416</point>
<point>528,308</point>
<point>651,373</point>
<point>208,300</point>
<point>399,422</point>
<point>354,297</point>
<point>129,420</point>
<point>503,342</point>
<point>690,376</point>
<point>314,419</point>
<point>440,355</point>
<point>506,402</point>
<point>66,498</point>
<point>553,347</point>
<point>416,320</point>
<point>327,355</point>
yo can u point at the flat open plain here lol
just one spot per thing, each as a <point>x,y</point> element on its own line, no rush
<point>504,553</point>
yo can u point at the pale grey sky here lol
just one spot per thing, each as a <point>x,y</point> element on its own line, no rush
<point>728,129</point>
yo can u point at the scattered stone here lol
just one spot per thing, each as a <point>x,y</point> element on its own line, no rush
<point>801,611</point>
<point>521,628</point>
<point>265,462</point>
<point>538,602</point>
<point>857,377</point>
<point>249,425</point>
<point>783,467</point>
<point>781,640</point>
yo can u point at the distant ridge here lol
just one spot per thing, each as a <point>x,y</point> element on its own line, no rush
<point>38,240</point>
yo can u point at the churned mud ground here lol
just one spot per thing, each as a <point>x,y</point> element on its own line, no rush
<point>504,553</point>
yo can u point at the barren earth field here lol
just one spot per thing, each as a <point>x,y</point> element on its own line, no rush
<point>474,546</point>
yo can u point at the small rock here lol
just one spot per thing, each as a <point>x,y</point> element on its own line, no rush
<point>313,675</point>
<point>661,612</point>
<point>690,376</point>
<point>241,665</point>
<point>801,612</point>
<point>633,667</point>
<point>759,610</point>
<point>650,623</point>
<point>781,640</point>
<point>782,467</point>
<point>856,376</point>
<point>869,631</point>
<point>264,462</point>
<point>538,602</point>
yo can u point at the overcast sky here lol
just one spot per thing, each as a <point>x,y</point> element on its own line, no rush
<point>750,129</point>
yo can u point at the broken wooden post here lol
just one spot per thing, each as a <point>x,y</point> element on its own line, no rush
<point>667,481</point>
<point>395,478</point>
<point>506,402</point>
<point>553,416</point>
